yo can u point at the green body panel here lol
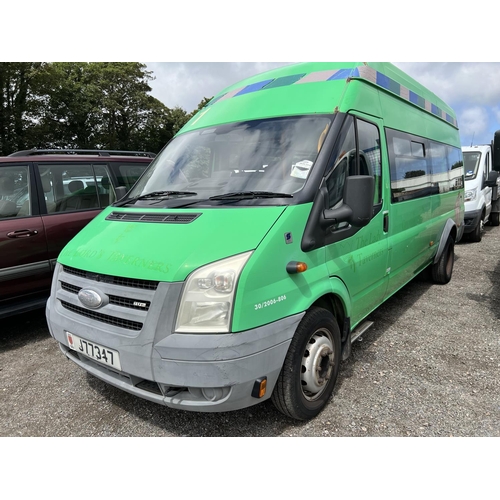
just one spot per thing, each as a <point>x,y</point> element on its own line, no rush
<point>362,270</point>
<point>166,252</point>
<point>267,292</point>
<point>361,262</point>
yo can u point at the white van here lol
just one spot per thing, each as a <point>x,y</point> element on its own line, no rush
<point>480,190</point>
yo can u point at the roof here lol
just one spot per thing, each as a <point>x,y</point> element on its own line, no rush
<point>59,155</point>
<point>287,91</point>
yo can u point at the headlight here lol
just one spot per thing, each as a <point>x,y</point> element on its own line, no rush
<point>207,299</point>
<point>470,194</point>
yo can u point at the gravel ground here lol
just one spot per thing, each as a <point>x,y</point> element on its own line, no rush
<point>429,366</point>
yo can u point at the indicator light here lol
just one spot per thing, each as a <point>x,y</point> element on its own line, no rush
<point>259,388</point>
<point>295,267</point>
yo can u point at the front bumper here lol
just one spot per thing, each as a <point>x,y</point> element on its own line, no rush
<point>198,372</point>
<point>471,220</point>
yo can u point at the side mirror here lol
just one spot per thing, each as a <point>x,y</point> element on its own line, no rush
<point>120,192</point>
<point>492,179</point>
<point>357,207</point>
<point>496,151</point>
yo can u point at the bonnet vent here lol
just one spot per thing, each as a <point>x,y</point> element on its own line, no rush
<point>171,218</point>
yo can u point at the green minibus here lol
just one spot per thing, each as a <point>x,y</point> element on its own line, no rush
<point>248,257</point>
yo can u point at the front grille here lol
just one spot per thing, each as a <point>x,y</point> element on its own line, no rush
<point>112,280</point>
<point>149,386</point>
<point>70,288</point>
<point>104,318</point>
<point>169,218</point>
<point>139,304</point>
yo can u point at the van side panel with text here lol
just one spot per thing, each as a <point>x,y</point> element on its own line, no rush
<point>249,255</point>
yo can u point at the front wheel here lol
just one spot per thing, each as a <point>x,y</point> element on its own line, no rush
<point>311,366</point>
<point>477,234</point>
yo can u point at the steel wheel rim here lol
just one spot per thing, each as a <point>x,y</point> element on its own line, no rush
<point>318,361</point>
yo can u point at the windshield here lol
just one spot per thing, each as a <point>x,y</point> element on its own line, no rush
<point>263,158</point>
<point>471,162</point>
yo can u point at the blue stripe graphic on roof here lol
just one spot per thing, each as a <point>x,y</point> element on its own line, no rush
<point>284,80</point>
<point>341,74</point>
<point>253,87</point>
<point>365,72</point>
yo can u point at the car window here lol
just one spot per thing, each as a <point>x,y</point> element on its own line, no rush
<point>128,173</point>
<point>74,186</point>
<point>15,192</point>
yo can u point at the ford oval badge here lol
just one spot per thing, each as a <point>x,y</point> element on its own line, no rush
<point>90,298</point>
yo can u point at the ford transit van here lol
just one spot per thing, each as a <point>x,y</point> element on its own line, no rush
<point>249,255</point>
<point>481,190</point>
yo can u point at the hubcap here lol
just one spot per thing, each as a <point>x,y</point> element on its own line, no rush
<point>317,364</point>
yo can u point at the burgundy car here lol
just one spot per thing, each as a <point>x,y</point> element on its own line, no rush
<point>46,197</point>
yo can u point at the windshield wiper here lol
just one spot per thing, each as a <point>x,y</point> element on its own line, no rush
<point>243,195</point>
<point>153,195</point>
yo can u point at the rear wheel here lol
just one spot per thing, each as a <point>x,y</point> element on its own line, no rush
<point>443,268</point>
<point>311,366</point>
<point>495,218</point>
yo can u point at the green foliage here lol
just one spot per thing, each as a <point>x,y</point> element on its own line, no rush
<point>414,173</point>
<point>83,105</point>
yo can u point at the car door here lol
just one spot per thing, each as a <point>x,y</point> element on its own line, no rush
<point>71,201</point>
<point>359,257</point>
<point>24,266</point>
<point>487,190</point>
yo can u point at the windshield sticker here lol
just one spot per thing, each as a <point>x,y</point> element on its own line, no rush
<point>301,169</point>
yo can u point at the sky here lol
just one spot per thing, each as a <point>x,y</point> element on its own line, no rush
<point>472,89</point>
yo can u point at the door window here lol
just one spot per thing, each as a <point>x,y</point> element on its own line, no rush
<point>358,154</point>
<point>70,187</point>
<point>15,192</point>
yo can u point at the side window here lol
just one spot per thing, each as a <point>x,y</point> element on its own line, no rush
<point>15,192</point>
<point>344,163</point>
<point>370,162</point>
<point>455,168</point>
<point>347,161</point>
<point>446,167</point>
<point>128,173</point>
<point>105,189</point>
<point>410,170</point>
<point>69,187</point>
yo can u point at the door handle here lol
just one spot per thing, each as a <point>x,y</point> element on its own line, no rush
<point>22,233</point>
<point>386,223</point>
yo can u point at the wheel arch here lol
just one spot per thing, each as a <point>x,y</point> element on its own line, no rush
<point>450,229</point>
<point>334,303</point>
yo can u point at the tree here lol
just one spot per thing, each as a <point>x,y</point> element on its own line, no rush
<point>18,102</point>
<point>414,173</point>
<point>100,105</point>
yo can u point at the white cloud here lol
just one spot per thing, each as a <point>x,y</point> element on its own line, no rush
<point>185,84</point>
<point>456,82</point>
<point>473,122</point>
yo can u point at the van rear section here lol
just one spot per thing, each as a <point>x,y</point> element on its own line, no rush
<point>248,257</point>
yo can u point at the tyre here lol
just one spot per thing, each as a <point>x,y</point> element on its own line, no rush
<point>477,234</point>
<point>443,268</point>
<point>311,366</point>
<point>495,219</point>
